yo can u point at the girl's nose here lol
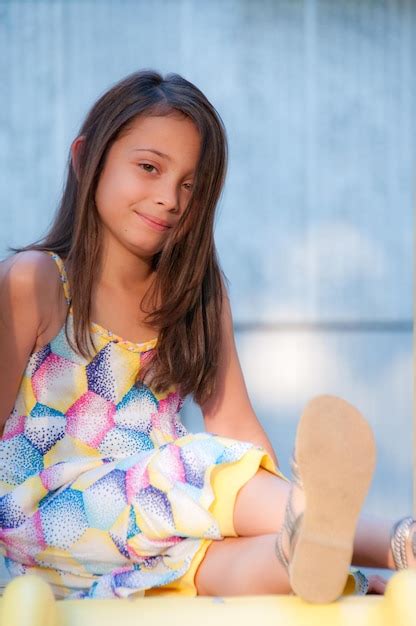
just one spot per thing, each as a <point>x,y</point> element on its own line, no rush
<point>167,195</point>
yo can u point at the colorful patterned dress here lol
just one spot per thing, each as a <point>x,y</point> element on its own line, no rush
<point>103,492</point>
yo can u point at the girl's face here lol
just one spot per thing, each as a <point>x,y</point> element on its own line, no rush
<point>147,178</point>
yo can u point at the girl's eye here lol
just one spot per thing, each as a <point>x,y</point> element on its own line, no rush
<point>147,167</point>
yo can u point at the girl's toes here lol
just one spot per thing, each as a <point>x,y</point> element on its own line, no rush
<point>376,585</point>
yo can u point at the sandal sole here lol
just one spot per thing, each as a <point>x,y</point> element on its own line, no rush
<point>335,453</point>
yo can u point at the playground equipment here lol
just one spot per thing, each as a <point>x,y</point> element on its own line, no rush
<point>29,601</point>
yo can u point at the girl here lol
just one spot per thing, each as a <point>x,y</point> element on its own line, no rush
<point>106,325</point>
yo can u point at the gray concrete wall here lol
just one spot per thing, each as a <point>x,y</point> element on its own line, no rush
<point>315,226</point>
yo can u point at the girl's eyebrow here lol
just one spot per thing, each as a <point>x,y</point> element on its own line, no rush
<point>161,154</point>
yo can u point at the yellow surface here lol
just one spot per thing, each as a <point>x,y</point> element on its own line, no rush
<point>28,601</point>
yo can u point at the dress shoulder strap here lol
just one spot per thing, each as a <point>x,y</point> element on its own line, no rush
<point>62,274</point>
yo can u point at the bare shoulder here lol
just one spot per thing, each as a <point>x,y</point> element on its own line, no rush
<point>28,262</point>
<point>29,274</point>
<point>28,281</point>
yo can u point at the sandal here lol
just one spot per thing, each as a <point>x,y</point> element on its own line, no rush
<point>400,536</point>
<point>332,468</point>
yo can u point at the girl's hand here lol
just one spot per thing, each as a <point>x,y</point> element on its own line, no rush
<point>377,585</point>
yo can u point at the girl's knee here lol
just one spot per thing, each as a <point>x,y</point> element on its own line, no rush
<point>260,504</point>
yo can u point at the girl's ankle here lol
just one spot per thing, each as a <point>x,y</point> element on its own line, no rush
<point>295,507</point>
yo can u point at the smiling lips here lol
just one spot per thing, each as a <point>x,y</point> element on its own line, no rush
<point>154,223</point>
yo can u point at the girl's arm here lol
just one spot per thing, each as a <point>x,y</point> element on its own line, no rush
<point>229,412</point>
<point>24,294</point>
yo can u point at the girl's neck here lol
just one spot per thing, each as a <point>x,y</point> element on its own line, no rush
<point>118,295</point>
<point>121,269</point>
<point>126,272</point>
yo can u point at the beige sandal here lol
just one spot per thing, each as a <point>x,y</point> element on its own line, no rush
<point>333,464</point>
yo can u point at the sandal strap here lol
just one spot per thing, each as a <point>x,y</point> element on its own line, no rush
<point>400,534</point>
<point>296,473</point>
<point>361,583</point>
<point>279,550</point>
<point>292,531</point>
<point>291,522</point>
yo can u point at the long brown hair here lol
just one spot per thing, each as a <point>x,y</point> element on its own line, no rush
<point>189,283</point>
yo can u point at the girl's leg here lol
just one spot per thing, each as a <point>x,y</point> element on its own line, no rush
<point>260,508</point>
<point>372,543</point>
<point>242,566</point>
<point>250,561</point>
<point>248,564</point>
<point>334,453</point>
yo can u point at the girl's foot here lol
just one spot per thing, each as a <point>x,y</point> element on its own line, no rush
<point>376,585</point>
<point>403,544</point>
<point>334,460</point>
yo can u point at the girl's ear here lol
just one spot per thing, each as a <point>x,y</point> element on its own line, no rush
<point>76,148</point>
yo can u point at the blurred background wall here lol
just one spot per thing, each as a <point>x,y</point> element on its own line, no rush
<point>315,226</point>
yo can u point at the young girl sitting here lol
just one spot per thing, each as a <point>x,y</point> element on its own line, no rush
<point>106,325</point>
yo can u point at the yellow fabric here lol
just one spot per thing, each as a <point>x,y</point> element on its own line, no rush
<point>226,482</point>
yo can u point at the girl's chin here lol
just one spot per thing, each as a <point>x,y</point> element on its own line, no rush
<point>146,249</point>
